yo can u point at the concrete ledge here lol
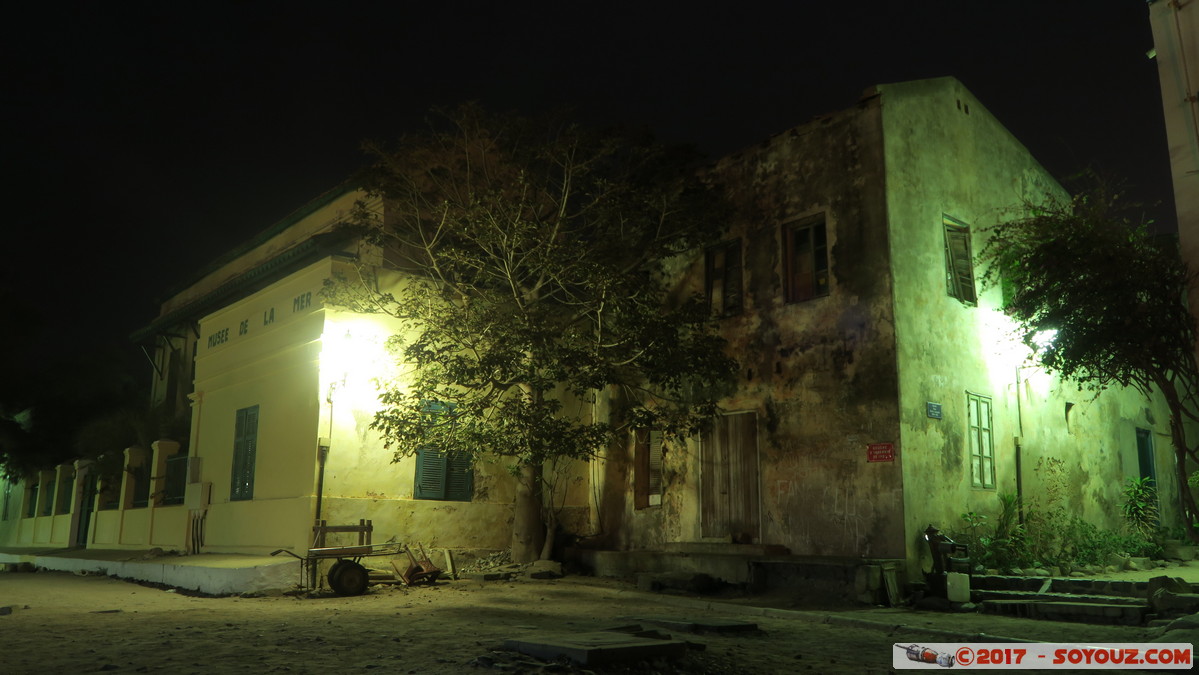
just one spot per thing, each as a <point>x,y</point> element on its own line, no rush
<point>211,573</point>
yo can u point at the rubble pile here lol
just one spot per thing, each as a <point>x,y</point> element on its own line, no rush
<point>498,566</point>
<point>483,563</point>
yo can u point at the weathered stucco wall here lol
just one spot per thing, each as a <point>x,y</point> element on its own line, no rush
<point>827,376</point>
<point>363,479</point>
<point>262,351</point>
<point>946,156</point>
<point>818,374</point>
<point>314,372</point>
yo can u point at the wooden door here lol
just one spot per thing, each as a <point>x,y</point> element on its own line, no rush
<point>729,479</point>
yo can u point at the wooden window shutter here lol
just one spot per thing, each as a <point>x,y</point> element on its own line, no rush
<point>459,482</point>
<point>430,474</point>
<point>959,265</point>
<point>245,450</point>
<point>444,476</point>
<point>654,470</point>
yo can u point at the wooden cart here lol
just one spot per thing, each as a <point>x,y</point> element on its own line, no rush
<point>347,576</point>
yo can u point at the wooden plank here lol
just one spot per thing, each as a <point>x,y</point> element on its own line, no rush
<point>341,551</point>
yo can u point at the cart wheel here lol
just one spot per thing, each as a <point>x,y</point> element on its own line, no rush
<point>350,578</point>
<point>334,571</point>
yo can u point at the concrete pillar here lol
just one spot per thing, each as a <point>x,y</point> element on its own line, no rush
<point>162,450</point>
<point>83,471</point>
<point>64,481</point>
<point>45,497</point>
<point>135,456</point>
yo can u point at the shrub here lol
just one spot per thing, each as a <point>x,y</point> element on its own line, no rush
<point>1140,507</point>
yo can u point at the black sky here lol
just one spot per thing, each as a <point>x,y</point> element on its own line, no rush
<point>142,139</point>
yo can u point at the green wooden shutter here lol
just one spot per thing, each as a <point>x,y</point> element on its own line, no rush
<point>654,483</point>
<point>444,476</point>
<point>460,477</point>
<point>959,265</point>
<point>430,474</point>
<point>982,451</point>
<point>245,450</point>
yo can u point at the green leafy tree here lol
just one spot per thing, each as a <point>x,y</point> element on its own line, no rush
<point>538,256</point>
<point>1089,272</point>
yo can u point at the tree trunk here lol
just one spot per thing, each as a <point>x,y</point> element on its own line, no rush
<point>527,528</point>
<point>1186,500</point>
<point>551,531</point>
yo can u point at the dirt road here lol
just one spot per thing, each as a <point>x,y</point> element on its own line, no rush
<point>71,624</point>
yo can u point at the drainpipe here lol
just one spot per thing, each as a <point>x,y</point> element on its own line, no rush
<point>1019,449</point>
<point>322,456</point>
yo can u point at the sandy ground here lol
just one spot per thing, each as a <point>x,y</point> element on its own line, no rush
<point>61,623</point>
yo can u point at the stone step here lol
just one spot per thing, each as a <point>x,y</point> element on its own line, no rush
<point>714,548</point>
<point>1077,612</point>
<point>984,595</point>
<point>1107,587</point>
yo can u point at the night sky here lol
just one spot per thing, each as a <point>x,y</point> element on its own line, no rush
<point>141,140</point>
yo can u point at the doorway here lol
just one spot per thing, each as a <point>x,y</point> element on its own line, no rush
<point>1146,465</point>
<point>729,479</point>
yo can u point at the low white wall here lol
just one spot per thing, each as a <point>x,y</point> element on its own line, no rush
<point>207,573</point>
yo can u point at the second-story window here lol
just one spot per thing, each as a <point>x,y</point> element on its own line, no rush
<point>805,261</point>
<point>959,265</point>
<point>722,278</point>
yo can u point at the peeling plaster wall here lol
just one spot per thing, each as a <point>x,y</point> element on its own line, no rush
<point>363,479</point>
<point>828,376</point>
<point>947,156</point>
<point>820,374</point>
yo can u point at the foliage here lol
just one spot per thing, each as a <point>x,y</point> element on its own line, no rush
<point>1089,269</point>
<point>1050,535</point>
<point>1051,526</point>
<point>1140,506</point>
<point>1002,546</point>
<point>1121,328</point>
<point>538,254</point>
<point>1064,540</point>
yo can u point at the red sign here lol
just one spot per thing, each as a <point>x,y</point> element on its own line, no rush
<point>880,452</point>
